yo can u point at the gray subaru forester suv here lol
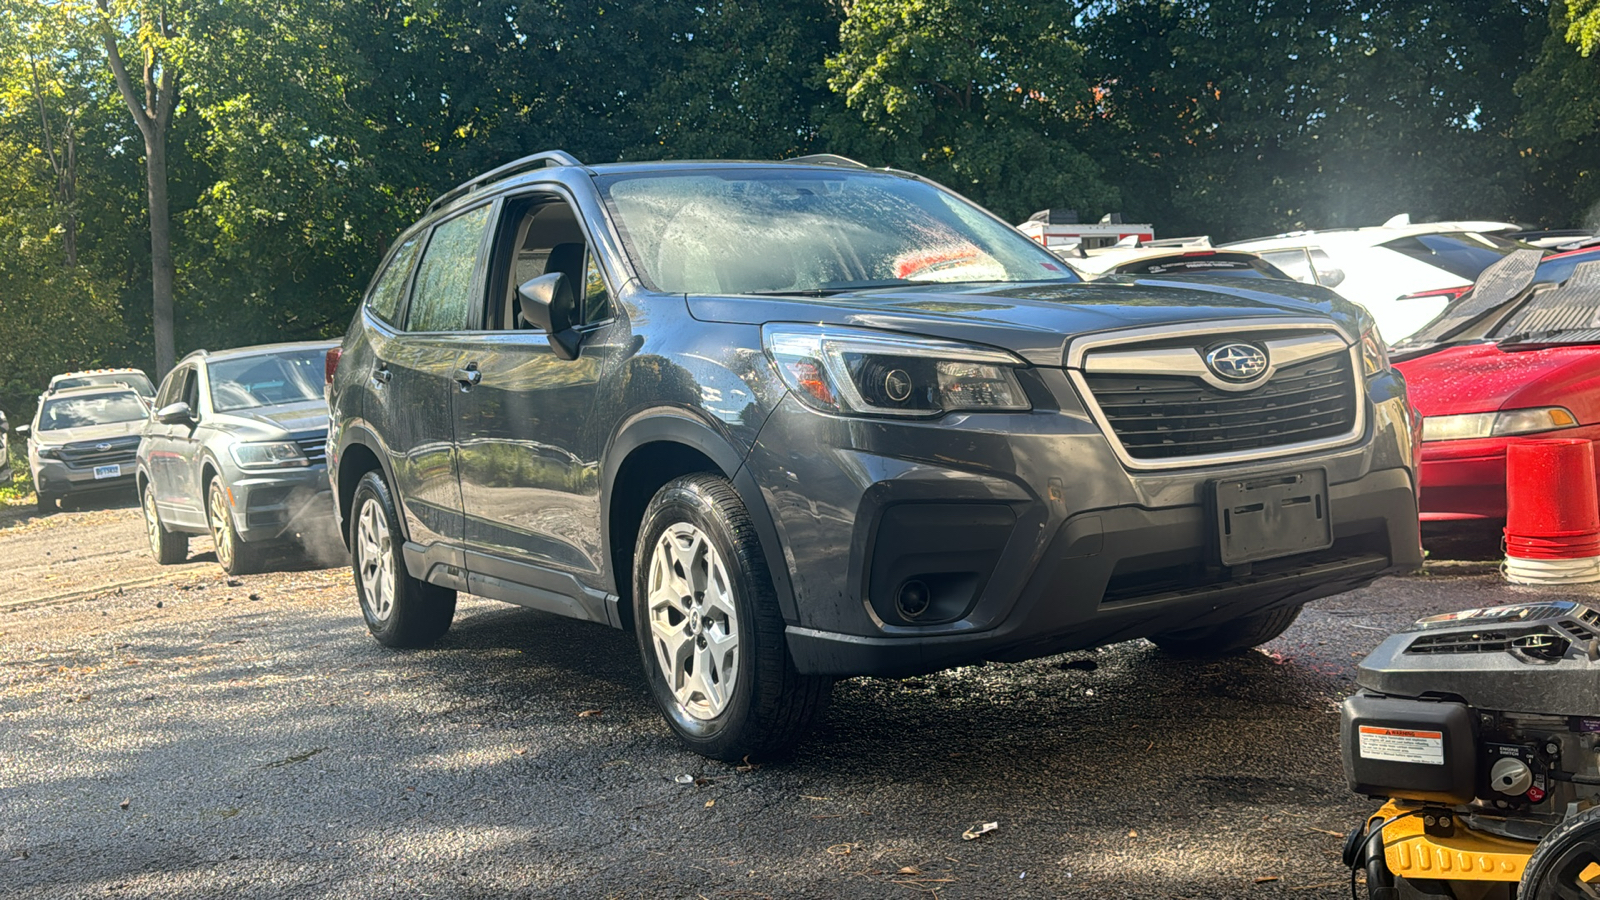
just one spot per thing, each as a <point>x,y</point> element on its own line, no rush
<point>790,422</point>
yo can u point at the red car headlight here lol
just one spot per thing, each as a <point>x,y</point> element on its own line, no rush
<point>1497,424</point>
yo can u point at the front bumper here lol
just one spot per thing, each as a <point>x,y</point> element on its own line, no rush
<point>281,504</point>
<point>57,479</point>
<point>1038,540</point>
<point>1464,481</point>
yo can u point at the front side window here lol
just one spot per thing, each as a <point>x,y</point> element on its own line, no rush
<point>268,380</point>
<point>596,299</point>
<point>170,388</point>
<point>443,290</point>
<point>95,409</point>
<point>1292,263</point>
<point>757,230</point>
<point>385,298</point>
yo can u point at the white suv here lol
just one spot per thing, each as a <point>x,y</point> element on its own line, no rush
<point>1403,274</point>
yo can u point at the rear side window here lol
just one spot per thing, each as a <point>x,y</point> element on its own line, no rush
<point>385,298</point>
<point>1292,263</point>
<point>443,289</point>
<point>1463,254</point>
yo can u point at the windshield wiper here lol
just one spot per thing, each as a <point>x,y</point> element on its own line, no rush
<point>829,288</point>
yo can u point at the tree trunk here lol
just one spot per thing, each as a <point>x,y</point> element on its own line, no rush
<point>160,251</point>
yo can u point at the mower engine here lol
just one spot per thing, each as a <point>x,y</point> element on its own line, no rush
<point>1479,722</point>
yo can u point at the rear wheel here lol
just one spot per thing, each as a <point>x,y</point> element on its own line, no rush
<point>710,634</point>
<point>400,610</point>
<point>1230,637</point>
<point>234,555</point>
<point>1561,866</point>
<point>168,547</point>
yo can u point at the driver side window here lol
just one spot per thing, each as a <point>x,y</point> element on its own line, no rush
<point>538,236</point>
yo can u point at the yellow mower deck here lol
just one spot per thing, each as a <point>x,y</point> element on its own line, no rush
<point>1467,856</point>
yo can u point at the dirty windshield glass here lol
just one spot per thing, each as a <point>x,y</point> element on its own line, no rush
<point>134,380</point>
<point>780,230</point>
<point>96,409</point>
<point>254,381</point>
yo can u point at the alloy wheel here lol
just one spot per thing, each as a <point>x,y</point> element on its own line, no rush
<point>152,521</point>
<point>221,527</point>
<point>375,559</point>
<point>694,621</point>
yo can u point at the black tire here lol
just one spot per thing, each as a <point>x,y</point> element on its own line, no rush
<point>1228,638</point>
<point>400,611</point>
<point>771,705</point>
<point>45,502</point>
<point>168,547</point>
<point>234,554</point>
<point>1553,869</point>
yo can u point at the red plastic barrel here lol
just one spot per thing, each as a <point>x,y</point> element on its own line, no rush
<point>1552,507</point>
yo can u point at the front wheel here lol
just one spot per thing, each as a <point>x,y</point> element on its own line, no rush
<point>1230,637</point>
<point>234,555</point>
<point>1559,867</point>
<point>400,610</point>
<point>168,547</point>
<point>45,502</point>
<point>710,634</point>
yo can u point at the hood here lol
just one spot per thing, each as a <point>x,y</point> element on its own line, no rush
<point>60,436</point>
<point>1035,320</point>
<point>276,422</point>
<point>1483,378</point>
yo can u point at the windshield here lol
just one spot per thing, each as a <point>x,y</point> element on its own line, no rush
<point>95,409</point>
<point>756,230</point>
<point>1463,254</point>
<point>249,382</point>
<point>135,380</point>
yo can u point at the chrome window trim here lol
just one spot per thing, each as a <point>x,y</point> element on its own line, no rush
<point>1078,351</point>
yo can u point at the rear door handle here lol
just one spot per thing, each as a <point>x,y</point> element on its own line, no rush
<point>469,376</point>
<point>381,374</point>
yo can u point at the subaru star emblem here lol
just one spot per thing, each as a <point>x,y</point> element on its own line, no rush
<point>1237,362</point>
<point>102,447</point>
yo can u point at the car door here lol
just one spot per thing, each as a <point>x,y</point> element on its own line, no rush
<point>416,370</point>
<point>177,492</point>
<point>529,440</point>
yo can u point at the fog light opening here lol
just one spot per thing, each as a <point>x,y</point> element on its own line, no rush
<point>913,599</point>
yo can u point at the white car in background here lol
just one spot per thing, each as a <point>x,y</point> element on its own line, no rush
<point>1404,274</point>
<point>1174,256</point>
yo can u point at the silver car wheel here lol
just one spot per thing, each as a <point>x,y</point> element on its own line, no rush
<point>374,559</point>
<point>152,521</point>
<point>221,527</point>
<point>694,621</point>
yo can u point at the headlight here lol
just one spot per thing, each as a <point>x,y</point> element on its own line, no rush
<point>49,453</point>
<point>844,370</point>
<point>1496,424</point>
<point>268,455</point>
<point>1374,352</point>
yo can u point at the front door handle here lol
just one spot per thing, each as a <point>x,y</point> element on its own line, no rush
<point>469,376</point>
<point>381,374</point>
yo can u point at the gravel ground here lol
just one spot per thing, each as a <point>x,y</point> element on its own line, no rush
<point>207,737</point>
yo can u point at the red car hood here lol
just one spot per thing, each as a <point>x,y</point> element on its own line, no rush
<point>1482,378</point>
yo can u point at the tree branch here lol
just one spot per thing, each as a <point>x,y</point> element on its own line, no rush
<point>124,82</point>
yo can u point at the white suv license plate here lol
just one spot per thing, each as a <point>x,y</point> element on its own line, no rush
<point>112,471</point>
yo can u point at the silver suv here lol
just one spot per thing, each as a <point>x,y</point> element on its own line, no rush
<point>82,440</point>
<point>235,449</point>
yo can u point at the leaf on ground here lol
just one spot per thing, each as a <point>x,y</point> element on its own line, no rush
<point>588,713</point>
<point>1266,878</point>
<point>126,803</point>
<point>978,831</point>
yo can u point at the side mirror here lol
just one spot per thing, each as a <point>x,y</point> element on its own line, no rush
<point>24,429</point>
<point>1330,277</point>
<point>547,303</point>
<point>176,414</point>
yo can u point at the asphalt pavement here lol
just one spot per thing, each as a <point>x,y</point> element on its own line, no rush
<point>208,737</point>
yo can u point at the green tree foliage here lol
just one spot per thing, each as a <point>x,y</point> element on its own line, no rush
<point>310,132</point>
<point>1240,117</point>
<point>988,97</point>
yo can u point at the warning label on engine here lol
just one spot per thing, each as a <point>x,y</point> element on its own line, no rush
<point>1401,745</point>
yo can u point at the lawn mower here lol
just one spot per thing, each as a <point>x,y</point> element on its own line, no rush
<point>1481,731</point>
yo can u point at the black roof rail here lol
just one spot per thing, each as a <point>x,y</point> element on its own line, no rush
<point>515,167</point>
<point>828,159</point>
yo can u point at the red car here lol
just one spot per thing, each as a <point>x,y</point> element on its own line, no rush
<point>1516,359</point>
